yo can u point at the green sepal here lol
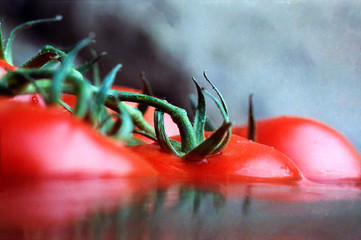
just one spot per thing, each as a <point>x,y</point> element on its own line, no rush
<point>95,70</point>
<point>134,141</point>
<point>2,54</point>
<point>85,67</point>
<point>219,105</point>
<point>224,142</point>
<point>145,134</point>
<point>66,106</point>
<point>17,81</point>
<point>7,51</point>
<point>146,90</point>
<point>209,125</point>
<point>225,116</point>
<point>84,94</point>
<point>208,146</point>
<point>218,93</point>
<point>13,81</point>
<point>162,137</point>
<point>49,48</point>
<point>38,89</point>
<point>40,60</point>
<point>105,123</point>
<point>200,115</point>
<point>64,70</point>
<point>107,83</point>
<point>251,128</point>
<point>121,128</point>
<point>52,64</point>
<point>126,126</point>
<point>101,95</point>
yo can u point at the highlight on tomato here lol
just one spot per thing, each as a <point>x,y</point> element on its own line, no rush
<point>43,142</point>
<point>319,151</point>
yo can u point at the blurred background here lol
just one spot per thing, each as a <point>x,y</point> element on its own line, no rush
<point>297,57</point>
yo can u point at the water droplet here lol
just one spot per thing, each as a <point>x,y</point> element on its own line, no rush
<point>35,99</point>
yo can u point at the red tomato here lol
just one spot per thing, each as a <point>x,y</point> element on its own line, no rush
<point>44,142</point>
<point>241,158</point>
<point>5,67</point>
<point>319,151</point>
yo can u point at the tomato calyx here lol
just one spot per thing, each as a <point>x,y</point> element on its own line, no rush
<point>6,51</point>
<point>51,73</point>
<point>193,145</point>
<point>91,101</point>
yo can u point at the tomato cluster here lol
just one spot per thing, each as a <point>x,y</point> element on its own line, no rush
<point>40,137</point>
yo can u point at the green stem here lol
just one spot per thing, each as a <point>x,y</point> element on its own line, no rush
<point>179,115</point>
<point>2,53</point>
<point>138,119</point>
<point>37,74</point>
<point>9,42</point>
<point>61,74</point>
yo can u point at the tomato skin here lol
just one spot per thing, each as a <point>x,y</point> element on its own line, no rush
<point>319,151</point>
<point>241,158</point>
<point>43,142</point>
<point>5,67</point>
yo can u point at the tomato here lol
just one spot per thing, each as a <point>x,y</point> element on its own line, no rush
<point>5,67</point>
<point>241,158</point>
<point>43,142</point>
<point>318,150</point>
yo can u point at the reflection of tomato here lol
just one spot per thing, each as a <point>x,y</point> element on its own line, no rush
<point>43,203</point>
<point>241,158</point>
<point>44,142</point>
<point>299,192</point>
<point>319,151</point>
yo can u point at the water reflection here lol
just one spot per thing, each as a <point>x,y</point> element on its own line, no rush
<point>149,209</point>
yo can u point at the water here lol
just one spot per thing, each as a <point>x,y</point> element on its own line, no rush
<point>153,209</point>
